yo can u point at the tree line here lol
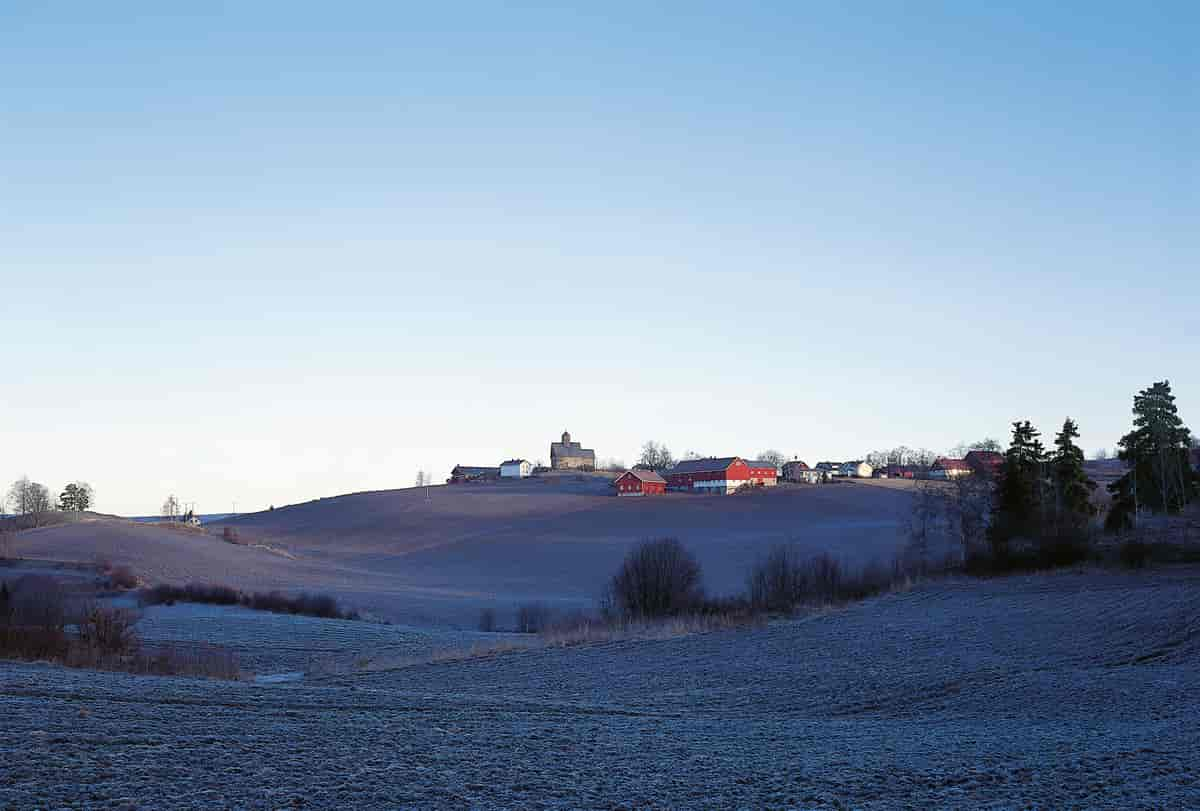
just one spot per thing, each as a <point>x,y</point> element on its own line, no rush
<point>26,497</point>
<point>1039,508</point>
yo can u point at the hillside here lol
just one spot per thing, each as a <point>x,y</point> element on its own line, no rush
<point>1064,690</point>
<point>440,554</point>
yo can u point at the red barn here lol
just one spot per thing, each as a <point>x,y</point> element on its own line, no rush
<point>719,475</point>
<point>639,482</point>
<point>763,474</point>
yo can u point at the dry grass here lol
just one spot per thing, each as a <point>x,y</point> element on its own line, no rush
<point>597,631</point>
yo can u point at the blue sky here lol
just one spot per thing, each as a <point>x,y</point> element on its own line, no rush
<point>266,254</point>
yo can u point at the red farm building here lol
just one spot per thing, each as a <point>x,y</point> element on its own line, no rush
<point>639,482</point>
<point>720,475</point>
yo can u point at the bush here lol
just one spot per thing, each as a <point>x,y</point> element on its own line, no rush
<point>782,581</point>
<point>487,620</point>
<point>109,630</point>
<point>310,605</point>
<point>777,583</point>
<point>34,615</point>
<point>659,578</point>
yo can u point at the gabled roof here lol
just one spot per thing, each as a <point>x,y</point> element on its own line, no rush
<point>644,475</point>
<point>473,469</point>
<point>709,465</point>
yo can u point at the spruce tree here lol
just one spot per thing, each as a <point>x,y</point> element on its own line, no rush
<point>1072,487</point>
<point>1159,477</point>
<point>1020,500</point>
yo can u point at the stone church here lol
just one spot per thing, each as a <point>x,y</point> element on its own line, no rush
<point>568,455</point>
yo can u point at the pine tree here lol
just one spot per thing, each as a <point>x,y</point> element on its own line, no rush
<point>1072,487</point>
<point>1156,453</point>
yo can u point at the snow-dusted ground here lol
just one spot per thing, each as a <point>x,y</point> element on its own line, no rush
<point>269,643</point>
<point>1052,691</point>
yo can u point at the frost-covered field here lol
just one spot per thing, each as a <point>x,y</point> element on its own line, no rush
<point>1053,691</point>
<point>439,557</point>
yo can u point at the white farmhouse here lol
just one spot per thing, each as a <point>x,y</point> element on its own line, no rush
<point>516,469</point>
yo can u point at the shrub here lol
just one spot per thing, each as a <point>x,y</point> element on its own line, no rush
<point>109,630</point>
<point>311,605</point>
<point>777,583</point>
<point>33,620</point>
<point>782,581</point>
<point>659,578</point>
<point>487,620</point>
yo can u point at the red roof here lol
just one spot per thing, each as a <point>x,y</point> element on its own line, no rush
<point>644,475</point>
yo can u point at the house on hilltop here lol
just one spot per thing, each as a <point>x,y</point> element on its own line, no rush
<point>472,473</point>
<point>640,482</point>
<point>516,469</point>
<point>568,455</point>
<point>794,470</point>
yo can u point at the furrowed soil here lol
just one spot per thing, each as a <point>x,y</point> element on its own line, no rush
<point>1065,690</point>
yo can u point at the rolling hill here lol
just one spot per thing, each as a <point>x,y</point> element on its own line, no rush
<point>439,554</point>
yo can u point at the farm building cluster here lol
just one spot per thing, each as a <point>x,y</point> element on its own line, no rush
<point>564,455</point>
<point>726,474</point>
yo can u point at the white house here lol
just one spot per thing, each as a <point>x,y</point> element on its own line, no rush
<point>516,469</point>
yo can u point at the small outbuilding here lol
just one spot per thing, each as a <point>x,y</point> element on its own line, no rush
<point>638,482</point>
<point>516,469</point>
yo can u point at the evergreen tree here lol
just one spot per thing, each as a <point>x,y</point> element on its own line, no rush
<point>1072,487</point>
<point>1020,500</point>
<point>1156,452</point>
<point>68,501</point>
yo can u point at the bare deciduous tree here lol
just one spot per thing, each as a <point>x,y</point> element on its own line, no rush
<point>773,457</point>
<point>655,457</point>
<point>170,508</point>
<point>29,497</point>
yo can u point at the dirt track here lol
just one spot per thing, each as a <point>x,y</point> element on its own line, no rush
<point>1056,691</point>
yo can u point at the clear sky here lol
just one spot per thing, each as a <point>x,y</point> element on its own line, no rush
<point>264,252</point>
